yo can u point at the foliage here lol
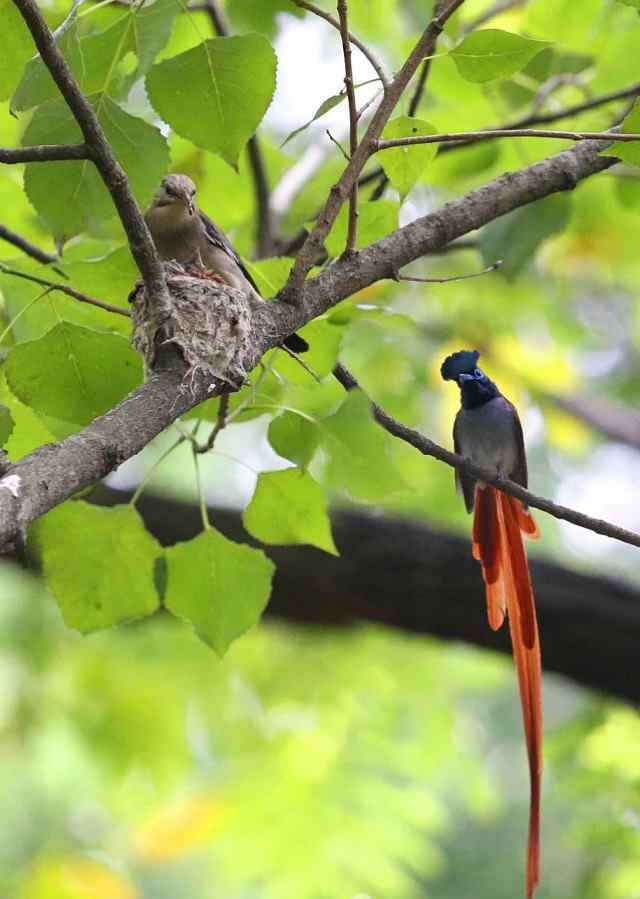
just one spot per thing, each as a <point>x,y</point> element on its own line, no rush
<point>260,773</point>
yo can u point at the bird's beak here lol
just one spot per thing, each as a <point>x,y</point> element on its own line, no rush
<point>464,377</point>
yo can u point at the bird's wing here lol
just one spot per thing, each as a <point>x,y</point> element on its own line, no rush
<point>519,473</point>
<point>219,240</point>
<point>465,484</point>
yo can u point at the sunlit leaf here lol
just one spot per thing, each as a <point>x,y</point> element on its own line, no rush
<point>216,93</point>
<point>490,53</point>
<point>102,572</point>
<point>404,165</point>
<point>98,60</point>
<point>71,196</point>
<point>294,437</point>
<point>218,586</point>
<point>289,507</point>
<point>17,46</point>
<point>358,452</point>
<point>73,373</point>
<point>375,219</point>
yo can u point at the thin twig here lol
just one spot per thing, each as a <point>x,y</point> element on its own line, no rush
<point>352,227</point>
<point>100,151</point>
<point>414,103</point>
<point>470,136</point>
<point>485,271</point>
<point>334,140</point>
<point>543,118</point>
<point>64,288</point>
<point>362,47</point>
<point>29,248</point>
<point>220,425</point>
<point>340,191</point>
<point>428,448</point>
<point>43,153</point>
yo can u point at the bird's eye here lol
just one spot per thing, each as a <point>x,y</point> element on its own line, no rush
<point>170,191</point>
<point>478,374</point>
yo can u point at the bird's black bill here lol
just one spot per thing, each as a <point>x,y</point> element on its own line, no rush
<point>296,344</point>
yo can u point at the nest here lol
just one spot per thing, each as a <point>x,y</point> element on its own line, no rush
<point>206,322</point>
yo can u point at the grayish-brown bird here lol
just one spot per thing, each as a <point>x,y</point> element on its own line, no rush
<point>183,232</point>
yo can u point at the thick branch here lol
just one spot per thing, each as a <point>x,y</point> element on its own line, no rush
<point>111,172</point>
<point>339,193</point>
<point>590,626</point>
<point>43,153</point>
<point>362,47</point>
<point>86,457</point>
<point>30,249</point>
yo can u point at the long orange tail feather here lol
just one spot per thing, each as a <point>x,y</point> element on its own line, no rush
<point>499,523</point>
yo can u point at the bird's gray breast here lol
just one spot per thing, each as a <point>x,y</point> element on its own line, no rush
<point>487,435</point>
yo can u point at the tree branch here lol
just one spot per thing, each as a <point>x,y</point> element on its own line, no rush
<point>64,288</point>
<point>590,625</point>
<point>340,191</point>
<point>362,47</point>
<point>352,227</point>
<point>538,118</point>
<point>30,249</point>
<point>471,136</point>
<point>111,172</point>
<point>428,448</point>
<point>44,153</point>
<point>615,421</point>
<point>88,456</point>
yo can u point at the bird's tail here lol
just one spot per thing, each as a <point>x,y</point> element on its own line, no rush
<point>498,525</point>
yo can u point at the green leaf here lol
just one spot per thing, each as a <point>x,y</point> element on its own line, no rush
<point>625,150</point>
<point>633,3</point>
<point>73,374</point>
<point>490,53</point>
<point>270,275</point>
<point>324,339</point>
<point>93,60</point>
<point>375,220</point>
<point>515,237</point>
<point>6,425</point>
<point>289,507</point>
<point>152,25</point>
<point>98,60</point>
<point>325,107</point>
<point>219,586</point>
<point>17,47</point>
<point>102,572</point>
<point>404,165</point>
<point>216,94</point>
<point>70,196</point>
<point>358,452</point>
<point>294,437</point>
